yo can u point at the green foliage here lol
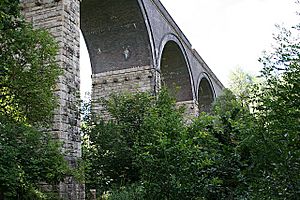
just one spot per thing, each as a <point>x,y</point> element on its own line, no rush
<point>223,155</point>
<point>147,142</point>
<point>273,143</point>
<point>108,151</point>
<point>28,68</point>
<point>220,136</point>
<point>240,83</point>
<point>111,148</point>
<point>28,71</point>
<point>147,151</point>
<point>9,14</point>
<point>275,149</point>
<point>28,157</point>
<point>132,192</point>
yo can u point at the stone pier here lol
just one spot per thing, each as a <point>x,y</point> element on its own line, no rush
<point>61,18</point>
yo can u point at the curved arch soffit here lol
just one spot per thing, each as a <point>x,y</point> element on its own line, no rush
<point>167,38</point>
<point>208,95</point>
<point>149,30</point>
<point>168,43</point>
<point>117,34</point>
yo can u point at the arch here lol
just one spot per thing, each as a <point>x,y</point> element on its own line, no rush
<point>206,94</point>
<point>116,34</point>
<point>174,69</point>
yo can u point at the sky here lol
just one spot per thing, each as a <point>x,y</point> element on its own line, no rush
<point>226,33</point>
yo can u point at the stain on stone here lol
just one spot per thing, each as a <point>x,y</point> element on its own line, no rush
<point>126,53</point>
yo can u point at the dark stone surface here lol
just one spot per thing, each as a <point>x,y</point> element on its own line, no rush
<point>174,72</point>
<point>206,96</point>
<point>115,34</point>
<point>121,34</point>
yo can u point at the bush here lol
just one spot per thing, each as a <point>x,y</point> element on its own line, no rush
<point>147,141</point>
<point>28,157</point>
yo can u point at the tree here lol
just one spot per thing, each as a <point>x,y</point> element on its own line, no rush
<point>28,153</point>
<point>108,151</point>
<point>114,149</point>
<point>148,149</point>
<point>275,151</point>
<point>28,157</point>
<point>231,153</point>
<point>240,83</point>
<point>28,67</point>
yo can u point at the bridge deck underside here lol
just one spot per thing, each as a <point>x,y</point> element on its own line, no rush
<point>115,34</point>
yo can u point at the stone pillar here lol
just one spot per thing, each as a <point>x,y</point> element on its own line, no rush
<point>61,19</point>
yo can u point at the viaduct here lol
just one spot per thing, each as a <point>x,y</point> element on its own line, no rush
<point>134,45</point>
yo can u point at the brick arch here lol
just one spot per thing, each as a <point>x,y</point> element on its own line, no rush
<point>174,68</point>
<point>116,34</point>
<point>206,93</point>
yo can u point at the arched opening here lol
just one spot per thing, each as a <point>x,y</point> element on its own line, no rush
<point>115,34</point>
<point>205,96</point>
<point>174,72</point>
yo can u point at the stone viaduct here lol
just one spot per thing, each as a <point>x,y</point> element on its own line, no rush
<point>134,45</point>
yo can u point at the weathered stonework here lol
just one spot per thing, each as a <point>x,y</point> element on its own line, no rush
<point>131,80</point>
<point>61,19</point>
<point>191,109</point>
<point>135,79</point>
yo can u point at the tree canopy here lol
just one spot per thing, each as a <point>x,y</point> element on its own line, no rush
<point>28,71</point>
<point>28,67</point>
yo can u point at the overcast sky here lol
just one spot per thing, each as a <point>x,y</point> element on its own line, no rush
<point>226,33</point>
<point>230,33</point>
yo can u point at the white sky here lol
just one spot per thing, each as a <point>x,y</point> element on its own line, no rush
<point>226,33</point>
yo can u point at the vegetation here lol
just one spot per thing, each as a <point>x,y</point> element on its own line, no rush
<point>28,154</point>
<point>148,150</point>
<point>275,152</point>
<point>28,67</point>
<point>240,83</point>
<point>28,158</point>
<point>246,148</point>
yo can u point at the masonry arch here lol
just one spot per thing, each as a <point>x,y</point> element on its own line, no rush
<point>206,94</point>
<point>116,34</point>
<point>174,69</point>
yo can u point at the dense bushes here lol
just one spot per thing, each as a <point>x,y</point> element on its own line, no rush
<point>247,148</point>
<point>148,144</point>
<point>274,144</point>
<point>29,156</point>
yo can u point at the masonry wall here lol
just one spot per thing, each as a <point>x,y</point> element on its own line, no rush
<point>191,109</point>
<point>131,80</point>
<point>61,19</point>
